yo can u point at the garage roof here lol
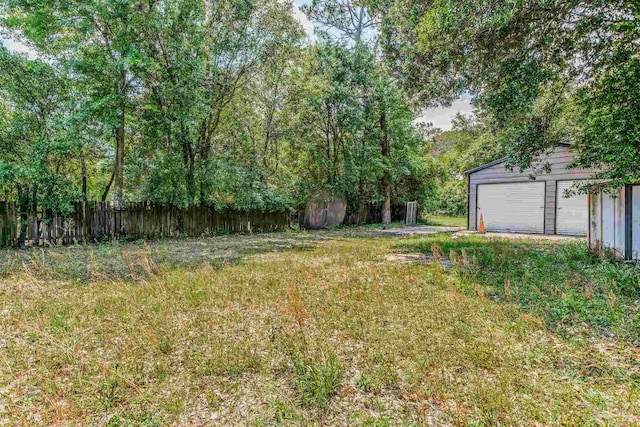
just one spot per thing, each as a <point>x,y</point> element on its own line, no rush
<point>487,165</point>
<point>502,160</point>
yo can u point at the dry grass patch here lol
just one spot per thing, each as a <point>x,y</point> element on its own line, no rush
<point>335,335</point>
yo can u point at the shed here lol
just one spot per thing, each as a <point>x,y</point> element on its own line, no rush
<point>614,222</point>
<point>518,201</point>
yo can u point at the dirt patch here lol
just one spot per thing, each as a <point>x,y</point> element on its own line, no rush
<point>421,258</point>
<point>417,229</point>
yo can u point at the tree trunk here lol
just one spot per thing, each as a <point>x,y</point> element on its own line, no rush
<point>83,207</point>
<point>386,178</point>
<point>84,180</point>
<point>105,193</point>
<point>120,135</point>
<point>23,208</point>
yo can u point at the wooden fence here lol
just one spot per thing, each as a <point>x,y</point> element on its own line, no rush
<point>371,213</point>
<point>92,221</point>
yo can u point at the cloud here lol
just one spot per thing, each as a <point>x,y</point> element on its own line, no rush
<point>441,116</point>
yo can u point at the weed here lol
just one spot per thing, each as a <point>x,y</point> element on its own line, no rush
<point>109,393</point>
<point>294,306</point>
<point>282,412</point>
<point>376,380</point>
<point>165,345</point>
<point>565,284</point>
<point>317,382</point>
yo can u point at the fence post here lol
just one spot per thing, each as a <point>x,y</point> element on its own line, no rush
<point>412,211</point>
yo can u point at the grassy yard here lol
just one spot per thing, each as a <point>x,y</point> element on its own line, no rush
<point>446,221</point>
<point>331,328</point>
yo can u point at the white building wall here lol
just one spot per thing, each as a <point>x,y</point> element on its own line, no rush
<point>607,227</point>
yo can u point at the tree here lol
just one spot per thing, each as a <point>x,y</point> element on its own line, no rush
<point>38,140</point>
<point>343,20</point>
<point>203,58</point>
<point>467,145</point>
<point>191,102</point>
<point>348,22</point>
<point>96,40</point>
<point>359,128</point>
<point>547,71</point>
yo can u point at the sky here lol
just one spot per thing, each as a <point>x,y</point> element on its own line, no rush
<point>440,117</point>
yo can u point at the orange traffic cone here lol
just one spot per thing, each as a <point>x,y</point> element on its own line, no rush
<point>481,227</point>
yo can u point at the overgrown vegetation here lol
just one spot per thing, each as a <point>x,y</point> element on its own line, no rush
<point>574,291</point>
<point>327,329</point>
<point>467,145</point>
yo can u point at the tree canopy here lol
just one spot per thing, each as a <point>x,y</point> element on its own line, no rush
<point>545,71</point>
<point>190,102</point>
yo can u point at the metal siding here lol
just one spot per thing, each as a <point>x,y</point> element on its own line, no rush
<point>635,223</point>
<point>550,208</point>
<point>515,207</point>
<point>468,198</point>
<point>619,240</point>
<point>607,222</point>
<point>595,221</point>
<point>572,214</point>
<point>473,197</point>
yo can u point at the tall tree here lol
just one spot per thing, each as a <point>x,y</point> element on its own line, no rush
<point>343,20</point>
<point>215,102</point>
<point>96,40</point>
<point>353,24</point>
<point>37,140</point>
<point>203,56</point>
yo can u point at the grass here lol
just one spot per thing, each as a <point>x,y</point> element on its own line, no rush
<point>318,328</point>
<point>445,221</point>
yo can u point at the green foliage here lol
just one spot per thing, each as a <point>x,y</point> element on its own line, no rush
<point>544,71</point>
<point>209,103</point>
<point>469,144</point>
<point>35,136</point>
<point>574,291</point>
<point>609,112</point>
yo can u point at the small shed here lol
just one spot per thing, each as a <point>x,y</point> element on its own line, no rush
<point>614,222</point>
<point>518,201</point>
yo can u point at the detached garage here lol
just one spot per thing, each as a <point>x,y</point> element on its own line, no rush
<point>511,201</point>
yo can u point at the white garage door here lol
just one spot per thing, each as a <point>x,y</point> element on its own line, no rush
<point>572,214</point>
<point>512,207</point>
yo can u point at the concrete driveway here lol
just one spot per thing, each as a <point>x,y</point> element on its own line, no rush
<point>415,229</point>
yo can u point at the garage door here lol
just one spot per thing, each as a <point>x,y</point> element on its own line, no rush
<point>572,214</point>
<point>512,207</point>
